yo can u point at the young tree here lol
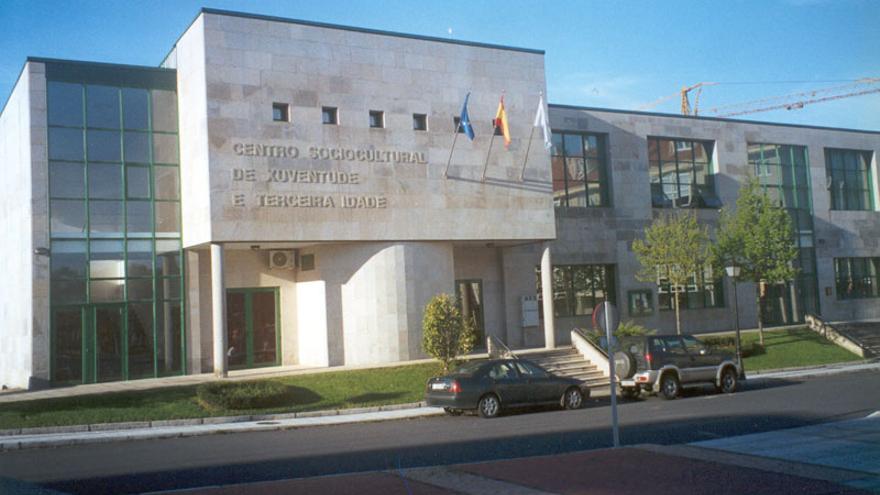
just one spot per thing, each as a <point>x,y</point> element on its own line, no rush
<point>675,249</point>
<point>758,237</point>
<point>446,334</point>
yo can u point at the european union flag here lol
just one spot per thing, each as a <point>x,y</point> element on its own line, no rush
<point>464,121</point>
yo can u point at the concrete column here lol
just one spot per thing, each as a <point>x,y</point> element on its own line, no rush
<point>218,310</point>
<point>547,296</point>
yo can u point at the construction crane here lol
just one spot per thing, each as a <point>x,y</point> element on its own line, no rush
<point>795,101</point>
<point>685,100</point>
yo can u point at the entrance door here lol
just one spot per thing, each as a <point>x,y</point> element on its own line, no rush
<point>103,344</point>
<point>252,328</point>
<point>470,297</point>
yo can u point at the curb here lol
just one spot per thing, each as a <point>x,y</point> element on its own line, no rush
<point>808,371</point>
<point>220,420</point>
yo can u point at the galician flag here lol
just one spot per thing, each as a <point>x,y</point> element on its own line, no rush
<point>541,121</point>
<point>501,122</point>
<point>464,120</point>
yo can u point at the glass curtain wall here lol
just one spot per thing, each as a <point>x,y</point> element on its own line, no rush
<point>577,289</point>
<point>784,173</point>
<point>116,278</point>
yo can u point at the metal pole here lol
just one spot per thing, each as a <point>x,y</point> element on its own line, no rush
<point>489,152</point>
<point>739,361</point>
<point>522,173</point>
<point>452,150</point>
<point>614,425</point>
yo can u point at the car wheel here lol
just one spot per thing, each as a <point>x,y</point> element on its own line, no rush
<point>669,386</point>
<point>489,406</point>
<point>452,412</point>
<point>630,392</point>
<point>728,381</point>
<point>573,398</point>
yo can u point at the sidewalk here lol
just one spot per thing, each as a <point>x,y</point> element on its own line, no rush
<point>114,432</point>
<point>680,469</point>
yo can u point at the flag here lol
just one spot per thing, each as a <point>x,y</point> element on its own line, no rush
<point>541,121</point>
<point>501,122</point>
<point>464,120</point>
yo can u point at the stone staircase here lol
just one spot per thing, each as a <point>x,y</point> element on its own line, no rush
<point>865,334</point>
<point>569,362</point>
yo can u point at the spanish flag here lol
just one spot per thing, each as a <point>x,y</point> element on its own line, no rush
<point>501,122</point>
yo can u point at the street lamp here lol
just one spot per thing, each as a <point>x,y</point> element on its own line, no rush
<point>733,272</point>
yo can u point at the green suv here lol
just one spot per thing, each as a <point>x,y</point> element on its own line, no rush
<point>666,363</point>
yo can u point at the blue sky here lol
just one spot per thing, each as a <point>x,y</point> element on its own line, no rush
<point>599,53</point>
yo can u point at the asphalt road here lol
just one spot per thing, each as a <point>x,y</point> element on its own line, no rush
<point>235,458</point>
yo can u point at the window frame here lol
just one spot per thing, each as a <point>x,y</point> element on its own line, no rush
<point>707,199</point>
<point>849,197</point>
<point>284,112</point>
<point>602,157</point>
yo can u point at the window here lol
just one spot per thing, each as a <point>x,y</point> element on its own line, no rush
<point>641,303</point>
<point>502,371</point>
<point>377,119</point>
<point>529,370</point>
<point>849,179</point>
<point>114,187</point>
<point>577,289</point>
<point>455,124</point>
<point>856,278</point>
<point>580,176</point>
<point>702,291</point>
<point>420,122</point>
<point>681,173</point>
<point>329,116</point>
<point>281,112</point>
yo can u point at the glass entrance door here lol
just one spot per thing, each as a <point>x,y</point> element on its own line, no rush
<point>104,357</point>
<point>252,328</point>
<point>470,300</point>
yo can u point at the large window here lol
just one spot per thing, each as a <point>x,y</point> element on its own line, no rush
<point>681,173</point>
<point>580,171</point>
<point>114,187</point>
<point>849,179</point>
<point>577,289</point>
<point>856,278</point>
<point>702,291</point>
<point>783,171</point>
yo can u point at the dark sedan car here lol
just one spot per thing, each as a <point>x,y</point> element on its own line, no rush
<point>489,386</point>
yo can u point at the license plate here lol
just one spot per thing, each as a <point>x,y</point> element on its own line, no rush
<point>627,383</point>
<point>438,386</point>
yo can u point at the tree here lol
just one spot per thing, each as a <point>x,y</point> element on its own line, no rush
<point>758,237</point>
<point>446,334</point>
<point>674,251</point>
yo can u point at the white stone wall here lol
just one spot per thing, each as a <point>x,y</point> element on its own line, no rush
<point>24,312</point>
<point>484,264</point>
<point>231,69</point>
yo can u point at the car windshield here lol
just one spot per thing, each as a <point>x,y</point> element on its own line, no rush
<point>468,368</point>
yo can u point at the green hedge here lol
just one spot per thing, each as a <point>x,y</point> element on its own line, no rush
<point>244,395</point>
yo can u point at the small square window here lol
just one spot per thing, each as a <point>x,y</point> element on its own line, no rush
<point>420,122</point>
<point>455,124</point>
<point>329,116</point>
<point>281,112</point>
<point>641,303</point>
<point>377,119</point>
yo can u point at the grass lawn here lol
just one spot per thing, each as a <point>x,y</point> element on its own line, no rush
<point>791,348</point>
<point>334,390</point>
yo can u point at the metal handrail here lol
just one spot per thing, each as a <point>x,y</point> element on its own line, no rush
<point>493,343</point>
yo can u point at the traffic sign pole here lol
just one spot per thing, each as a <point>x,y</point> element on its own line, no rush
<point>608,331</point>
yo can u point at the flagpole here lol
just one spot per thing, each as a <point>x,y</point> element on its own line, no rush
<point>522,173</point>
<point>489,152</point>
<point>451,150</point>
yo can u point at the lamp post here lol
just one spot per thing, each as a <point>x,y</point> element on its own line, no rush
<point>733,272</point>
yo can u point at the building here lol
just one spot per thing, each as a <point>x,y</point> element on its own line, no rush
<point>286,192</point>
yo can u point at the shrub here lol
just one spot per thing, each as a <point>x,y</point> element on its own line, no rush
<point>625,329</point>
<point>243,395</point>
<point>446,334</point>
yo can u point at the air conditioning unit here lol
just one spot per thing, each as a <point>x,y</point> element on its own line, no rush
<point>282,260</point>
